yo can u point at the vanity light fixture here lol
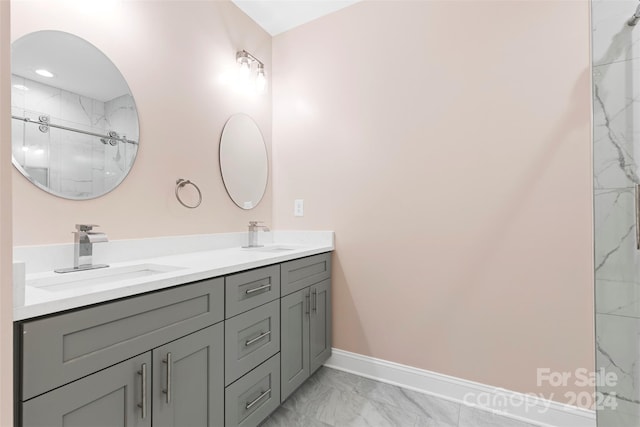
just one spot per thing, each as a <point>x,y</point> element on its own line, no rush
<point>44,73</point>
<point>246,60</point>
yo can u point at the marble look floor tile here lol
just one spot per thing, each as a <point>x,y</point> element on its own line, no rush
<point>346,408</point>
<point>284,417</point>
<point>337,379</point>
<point>474,417</point>
<point>429,409</point>
<point>370,413</point>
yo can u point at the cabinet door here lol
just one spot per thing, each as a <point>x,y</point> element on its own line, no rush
<point>320,324</point>
<point>294,345</point>
<point>112,397</point>
<point>188,387</point>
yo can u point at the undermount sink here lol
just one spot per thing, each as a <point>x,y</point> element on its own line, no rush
<point>97,278</point>
<point>269,249</point>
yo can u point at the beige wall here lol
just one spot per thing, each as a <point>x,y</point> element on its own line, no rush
<point>6,288</point>
<point>447,143</point>
<point>174,55</point>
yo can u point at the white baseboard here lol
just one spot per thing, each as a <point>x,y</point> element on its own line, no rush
<point>508,403</point>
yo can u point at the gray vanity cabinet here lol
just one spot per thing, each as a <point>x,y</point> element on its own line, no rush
<point>320,324</point>
<point>84,367</point>
<point>112,397</point>
<point>188,389</point>
<point>218,352</point>
<point>305,319</point>
<point>294,347</point>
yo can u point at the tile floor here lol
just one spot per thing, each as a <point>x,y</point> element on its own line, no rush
<point>336,398</point>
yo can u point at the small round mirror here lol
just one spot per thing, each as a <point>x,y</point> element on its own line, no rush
<point>243,161</point>
<point>74,120</point>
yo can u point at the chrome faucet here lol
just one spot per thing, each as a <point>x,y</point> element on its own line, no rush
<point>83,242</point>
<point>253,233</point>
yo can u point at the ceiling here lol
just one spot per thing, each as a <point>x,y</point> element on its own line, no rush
<point>278,16</point>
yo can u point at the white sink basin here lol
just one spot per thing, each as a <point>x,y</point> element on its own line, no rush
<point>99,278</point>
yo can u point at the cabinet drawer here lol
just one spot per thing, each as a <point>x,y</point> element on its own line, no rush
<point>250,339</point>
<point>253,397</point>
<point>250,289</point>
<point>63,348</point>
<point>300,273</point>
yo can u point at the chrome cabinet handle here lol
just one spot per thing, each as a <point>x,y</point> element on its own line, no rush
<point>306,297</point>
<point>167,391</point>
<point>257,399</point>
<point>250,291</point>
<point>258,338</point>
<point>143,384</point>
<point>315,300</point>
<point>637,216</point>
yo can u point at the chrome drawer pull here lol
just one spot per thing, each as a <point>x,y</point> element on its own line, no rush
<point>167,391</point>
<point>143,384</point>
<point>258,338</point>
<point>250,291</point>
<point>254,401</point>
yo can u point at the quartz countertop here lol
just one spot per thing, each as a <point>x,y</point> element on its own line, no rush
<point>182,268</point>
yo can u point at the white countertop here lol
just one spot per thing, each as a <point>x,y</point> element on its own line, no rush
<point>184,268</point>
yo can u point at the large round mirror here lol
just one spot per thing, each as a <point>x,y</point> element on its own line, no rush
<point>74,120</point>
<point>243,161</point>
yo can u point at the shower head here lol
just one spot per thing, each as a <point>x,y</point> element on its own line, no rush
<point>635,18</point>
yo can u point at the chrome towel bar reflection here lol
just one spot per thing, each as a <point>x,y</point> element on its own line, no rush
<point>181,183</point>
<point>44,123</point>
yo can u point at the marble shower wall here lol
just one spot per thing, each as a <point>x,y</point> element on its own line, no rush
<point>68,162</point>
<point>616,153</point>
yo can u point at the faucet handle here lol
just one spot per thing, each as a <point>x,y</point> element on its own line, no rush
<point>86,227</point>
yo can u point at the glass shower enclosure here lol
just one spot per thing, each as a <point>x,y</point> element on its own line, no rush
<point>616,134</point>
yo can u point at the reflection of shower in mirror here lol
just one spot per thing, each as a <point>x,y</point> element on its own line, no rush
<point>72,136</point>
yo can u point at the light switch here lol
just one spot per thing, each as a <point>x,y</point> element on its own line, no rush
<point>298,207</point>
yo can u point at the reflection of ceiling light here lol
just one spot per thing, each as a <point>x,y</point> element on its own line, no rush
<point>25,148</point>
<point>39,151</point>
<point>21,87</point>
<point>44,73</point>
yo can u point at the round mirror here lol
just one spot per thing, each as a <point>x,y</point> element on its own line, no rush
<point>74,120</point>
<point>243,161</point>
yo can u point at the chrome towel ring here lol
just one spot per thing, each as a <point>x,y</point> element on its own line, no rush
<point>181,183</point>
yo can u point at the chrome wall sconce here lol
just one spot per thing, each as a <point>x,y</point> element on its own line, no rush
<point>246,60</point>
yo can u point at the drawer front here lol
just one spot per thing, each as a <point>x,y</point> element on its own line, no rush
<point>63,348</point>
<point>250,289</point>
<point>253,397</point>
<point>300,273</point>
<point>250,339</point>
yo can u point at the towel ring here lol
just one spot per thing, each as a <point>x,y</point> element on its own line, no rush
<point>181,183</point>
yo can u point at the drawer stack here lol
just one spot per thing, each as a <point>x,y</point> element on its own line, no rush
<point>252,346</point>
